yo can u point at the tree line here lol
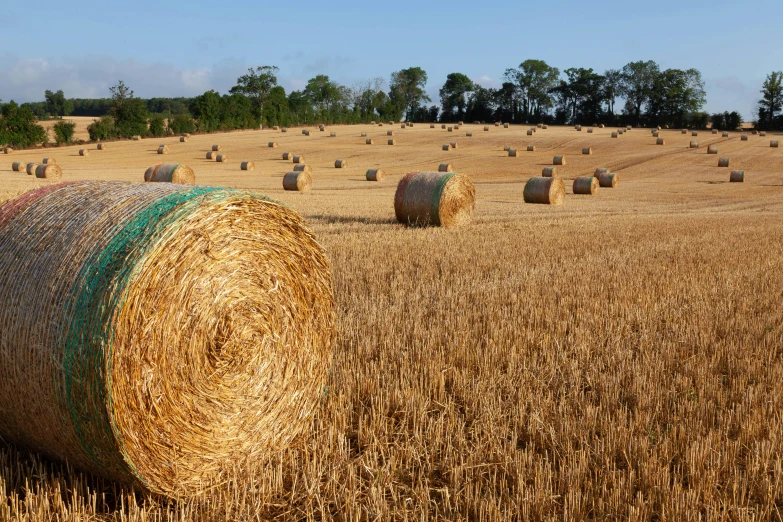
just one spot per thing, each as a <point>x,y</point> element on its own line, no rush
<point>639,93</point>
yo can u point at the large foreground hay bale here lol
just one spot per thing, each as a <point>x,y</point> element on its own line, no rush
<point>299,181</point>
<point>247,165</point>
<point>549,172</point>
<point>608,179</point>
<point>17,166</point>
<point>723,162</point>
<point>155,349</point>
<point>375,175</point>
<point>303,168</point>
<point>170,173</point>
<point>84,152</point>
<point>559,160</point>
<point>51,171</point>
<point>547,191</point>
<point>445,167</point>
<point>586,185</point>
<point>30,168</point>
<point>435,198</point>
<point>217,148</point>
<point>737,176</point>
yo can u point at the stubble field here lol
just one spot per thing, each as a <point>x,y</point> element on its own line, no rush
<point>617,357</point>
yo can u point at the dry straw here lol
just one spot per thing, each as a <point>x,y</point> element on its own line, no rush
<point>390,133</point>
<point>363,134</point>
<point>221,158</point>
<point>30,168</point>
<point>369,141</point>
<point>340,164</point>
<point>723,162</point>
<point>628,127</point>
<point>52,172</point>
<point>443,126</point>
<point>170,173</point>
<point>247,165</point>
<point>737,176</point>
<point>332,134</point>
<point>303,168</point>
<point>84,152</point>
<point>505,125</point>
<point>725,135</point>
<point>284,129</point>
<point>712,149</point>
<point>136,137</point>
<point>529,132</point>
<point>469,134</point>
<point>608,179</point>
<point>695,133</point>
<point>49,161</point>
<point>763,133</point>
<point>586,185</point>
<point>614,134</point>
<point>272,145</point>
<point>305,132</point>
<point>321,128</point>
<point>432,125</point>
<point>744,137</point>
<point>402,125</point>
<point>590,130</point>
<point>549,172</point>
<point>655,133</point>
<point>375,175</point>
<point>506,148</point>
<point>450,129</point>
<point>163,149</point>
<point>211,155</point>
<point>486,129</point>
<point>601,126</point>
<point>299,181</point>
<point>102,146</point>
<point>453,144</point>
<point>299,159</point>
<point>587,150</point>
<point>685,131</point>
<point>578,128</point>
<point>217,148</point>
<point>715,131</point>
<point>531,148</point>
<point>139,340</point>
<point>435,198</point>
<point>559,160</point>
<point>17,166</point>
<point>445,167</point>
<point>547,191</point>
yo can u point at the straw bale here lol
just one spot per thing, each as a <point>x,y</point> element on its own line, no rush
<point>539,125</point>
<point>744,137</point>
<point>599,171</point>
<point>545,127</point>
<point>303,168</point>
<point>332,134</point>
<point>660,141</point>
<point>559,160</point>
<point>402,125</point>
<point>450,129</point>
<point>136,137</point>
<point>497,124</point>
<point>284,129</point>
<point>299,158</point>
<point>547,191</point>
<point>170,173</point>
<point>628,127</point>
<point>445,167</point>
<point>608,179</point>
<point>531,148</point>
<point>432,125</point>
<point>614,134</point>
<point>587,150</point>
<point>305,132</point>
<point>469,134</point>
<point>773,144</point>
<point>369,141</point>
<point>321,128</point>
<point>211,155</point>
<point>247,165</point>
<point>585,185</point>
<point>737,176</point>
<point>299,181</point>
<point>695,133</point>
<point>578,128</point>
<point>272,145</point>
<point>151,334</point>
<point>17,166</point>
<point>340,164</point>
<point>51,171</point>
<point>182,139</point>
<point>456,127</point>
<point>694,144</point>
<point>655,133</point>
<point>375,175</point>
<point>275,128</point>
<point>715,131</point>
<point>391,142</point>
<point>723,162</point>
<point>390,133</point>
<point>49,161</point>
<point>685,131</point>
<point>435,198</point>
<point>549,172</point>
<point>506,147</point>
<point>446,146</point>
<point>30,168</point>
<point>601,126</point>
<point>529,132</point>
<point>505,125</point>
<point>512,153</point>
<point>163,149</point>
<point>712,149</point>
<point>363,134</point>
<point>590,130</point>
<point>763,133</point>
<point>7,150</point>
<point>443,126</point>
<point>84,152</point>
<point>221,158</point>
<point>725,134</point>
<point>102,146</point>
<point>453,144</point>
<point>217,148</point>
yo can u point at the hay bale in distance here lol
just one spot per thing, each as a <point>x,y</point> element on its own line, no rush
<point>450,129</point>
<point>723,162</point>
<point>301,167</point>
<point>559,160</point>
<point>773,144</point>
<point>453,144</point>
<point>321,128</point>
<point>84,152</point>
<point>445,167</point>
<point>715,131</point>
<point>136,137</point>
<point>737,176</point>
<point>694,144</point>
<point>49,161</point>
<point>614,134</point>
<point>102,146</point>
<point>272,145</point>
<point>486,128</point>
<point>531,148</point>
<point>288,156</point>
<point>660,141</point>
<point>435,199</point>
<point>599,171</point>
<point>7,150</point>
<point>590,130</point>
<point>391,142</point>
<point>505,125</point>
<point>587,150</point>
<point>506,148</point>
<point>170,173</point>
<point>299,159</point>
<point>163,149</point>
<point>363,134</point>
<point>529,132</point>
<point>211,155</point>
<point>443,126</point>
<point>137,261</point>
<point>221,158</point>
<point>578,128</point>
<point>52,172</point>
<point>17,166</point>
<point>247,165</point>
<point>512,153</point>
<point>217,148</point>
<point>585,185</point>
<point>305,132</point>
<point>601,126</point>
<point>763,133</point>
<point>549,172</point>
<point>608,179</point>
<point>284,129</point>
<point>299,181</point>
<point>182,139</point>
<point>375,175</point>
<point>544,190</point>
<point>446,146</point>
<point>369,141</point>
<point>30,168</point>
<point>725,134</point>
<point>744,137</point>
<point>695,133</point>
<point>340,164</point>
<point>544,127</point>
<point>432,125</point>
<point>469,134</point>
<point>712,149</point>
<point>390,133</point>
<point>685,131</point>
<point>332,134</point>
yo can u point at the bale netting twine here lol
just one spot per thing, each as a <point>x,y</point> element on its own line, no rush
<point>435,198</point>
<point>170,173</point>
<point>166,335</point>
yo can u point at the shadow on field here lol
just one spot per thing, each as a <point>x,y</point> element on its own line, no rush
<point>329,220</point>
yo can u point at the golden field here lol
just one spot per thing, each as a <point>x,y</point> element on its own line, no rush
<point>619,357</point>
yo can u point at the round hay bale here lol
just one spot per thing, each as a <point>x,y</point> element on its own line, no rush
<point>150,336</point>
<point>272,145</point>
<point>469,134</point>
<point>578,128</point>
<point>549,172</point>
<point>586,185</point>
<point>391,123</point>
<point>725,134</point>
<point>221,158</point>
<point>723,162</point>
<point>539,125</point>
<point>773,144</point>
<point>660,141</point>
<point>216,148</point>
<point>695,133</point>
<point>462,123</point>
<point>435,199</point>
<point>505,125</point>
<point>614,134</point>
<point>763,133</point>
<point>102,146</point>
<point>372,122</point>
<point>182,139</point>
<point>531,148</point>
<point>51,171</point>
<point>512,153</point>
<point>655,133</point>
<point>486,128</point>
<point>559,160</point>
<point>694,144</point>
<point>446,146</point>
<point>305,132</point>
<point>84,152</point>
<point>391,142</point>
<point>546,191</point>
<point>432,125</point>
<point>685,131</point>
<point>163,149</point>
<point>284,129</point>
<point>321,128</point>
<point>303,168</point>
<point>299,159</point>
<point>7,150</point>
<point>369,141</point>
<point>712,149</point>
<point>715,131</point>
<point>443,126</point>
<point>170,173</point>
<point>275,128</point>
<point>30,168</point>
<point>17,166</point>
<point>332,134</point>
<point>363,134</point>
<point>450,129</point>
<point>506,148</point>
<point>445,167</point>
<point>136,137</point>
<point>620,131</point>
<point>402,125</point>
<point>456,127</point>
<point>299,181</point>
<point>608,179</point>
<point>375,175</point>
<point>744,137</point>
<point>590,130</point>
<point>453,144</point>
<point>288,156</point>
<point>340,164</point>
<point>390,133</point>
<point>529,132</point>
<point>599,171</point>
<point>49,161</point>
<point>601,126</point>
<point>497,124</point>
<point>737,176</point>
<point>587,150</point>
<point>247,165</point>
<point>628,127</point>
<point>211,155</point>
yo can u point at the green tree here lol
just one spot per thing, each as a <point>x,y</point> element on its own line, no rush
<point>481,104</point>
<point>18,127</point>
<point>276,107</point>
<point>453,95</point>
<point>57,105</point>
<point>256,85</point>
<point>771,102</point>
<point>534,81</point>
<point>206,109</point>
<point>102,129</point>
<point>157,127</point>
<point>408,84</point>
<point>638,82</point>
<point>675,95</point>
<point>181,124</point>
<point>63,132</point>
<point>732,120</point>
<point>130,113</point>
<point>325,94</point>
<point>237,112</point>
<point>612,88</point>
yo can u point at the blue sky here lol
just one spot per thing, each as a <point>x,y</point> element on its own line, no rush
<point>178,48</point>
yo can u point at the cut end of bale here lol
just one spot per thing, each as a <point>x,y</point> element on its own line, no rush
<point>587,185</point>
<point>247,165</point>
<point>435,199</point>
<point>545,191</point>
<point>375,175</point>
<point>170,173</point>
<point>298,181</point>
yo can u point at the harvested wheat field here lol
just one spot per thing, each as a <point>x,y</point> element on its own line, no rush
<point>616,357</point>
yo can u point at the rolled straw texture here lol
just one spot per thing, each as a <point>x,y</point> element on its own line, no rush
<point>102,146</point>
<point>660,141</point>
<point>50,171</point>
<point>725,135</point>
<point>375,175</point>
<point>712,149</point>
<point>762,133</point>
<point>587,150</point>
<point>608,179</point>
<point>303,168</point>
<point>391,142</point>
<point>183,139</point>
<point>531,148</point>
<point>340,164</point>
<point>299,159</point>
<point>211,155</point>
<point>445,167</point>
<point>297,180</point>
<point>614,134</point>
<point>585,185</point>
<point>221,158</point>
<point>737,176</point>
<point>247,165</point>
<point>86,152</point>
<point>288,155</point>
<point>599,171</point>
<point>723,162</point>
<point>49,161</point>
<point>163,149</point>
<point>549,172</point>
<point>18,166</point>
<point>744,137</point>
<point>559,160</point>
<point>369,141</point>
<point>170,173</point>
<point>217,148</point>
<point>272,144</point>
<point>694,145</point>
<point>548,191</point>
<point>773,144</point>
<point>7,150</point>
<point>435,199</point>
<point>30,168</point>
<point>150,337</point>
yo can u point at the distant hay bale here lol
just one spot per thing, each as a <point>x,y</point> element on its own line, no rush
<point>52,172</point>
<point>136,137</point>
<point>340,164</point>
<point>450,129</point>
<point>182,139</point>
<point>303,168</point>
<point>306,132</point>
<point>590,130</point>
<point>211,155</point>
<point>170,173</point>
<point>445,167</point>
<point>531,148</point>
<point>247,165</point>
<point>462,123</point>
<point>443,126</point>
<point>102,146</point>
<point>529,132</point>
<point>587,150</point>
<point>506,147</point>
<point>486,128</point>
<point>549,172</point>
<point>272,145</point>
<point>446,146</point>
<point>217,148</point>
<point>559,160</point>
<point>321,128</point>
<point>84,152</point>
<point>744,137</point>
<point>763,133</point>
<point>578,128</point>
<point>694,133</point>
<point>585,185</point>
<point>545,127</point>
<point>620,131</point>
<point>372,122</point>
<point>456,127</point>
<point>275,128</point>
<point>402,125</point>
<point>655,133</point>
<point>17,166</point>
<point>773,144</point>
<point>288,155</point>
<point>221,158</point>
<point>512,153</point>
<point>363,134</point>
<point>608,179</point>
<point>432,125</point>
<point>390,133</point>
<point>599,171</point>
<point>469,134</point>
<point>163,149</point>
<point>497,124</point>
<point>723,162</point>
<point>545,191</point>
<point>725,134</point>
<point>391,122</point>
<point>601,126</point>
<point>685,131</point>
<point>369,141</point>
<point>435,199</point>
<point>391,142</point>
<point>298,181</point>
<point>628,127</point>
<point>694,144</point>
<point>7,150</point>
<point>299,158</point>
<point>375,175</point>
<point>737,176</point>
<point>453,144</point>
<point>505,125</point>
<point>30,168</point>
<point>715,131</point>
<point>540,125</point>
<point>614,134</point>
<point>712,149</point>
<point>284,129</point>
<point>49,161</point>
<point>332,134</point>
<point>658,127</point>
<point>660,141</point>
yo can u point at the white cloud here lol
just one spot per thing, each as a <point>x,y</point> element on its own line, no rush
<point>487,82</point>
